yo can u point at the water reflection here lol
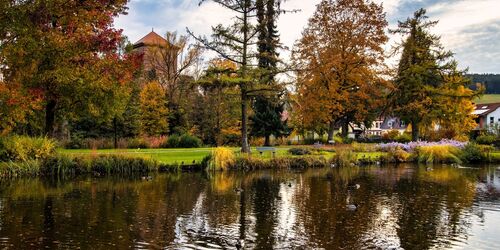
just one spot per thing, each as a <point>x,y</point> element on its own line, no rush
<point>406,207</point>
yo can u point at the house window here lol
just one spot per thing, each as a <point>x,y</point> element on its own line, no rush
<point>492,120</point>
<point>390,124</point>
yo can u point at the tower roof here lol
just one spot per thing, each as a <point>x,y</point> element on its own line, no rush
<point>151,39</point>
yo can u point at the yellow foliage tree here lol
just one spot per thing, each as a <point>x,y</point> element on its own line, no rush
<point>154,110</point>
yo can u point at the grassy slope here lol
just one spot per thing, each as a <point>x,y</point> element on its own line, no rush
<point>488,99</point>
<point>176,156</point>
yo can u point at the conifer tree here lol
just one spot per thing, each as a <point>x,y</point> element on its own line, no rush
<point>153,110</point>
<point>268,109</point>
<point>234,43</point>
<point>428,81</point>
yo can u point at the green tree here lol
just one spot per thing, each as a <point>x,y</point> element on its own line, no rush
<point>267,119</point>
<point>234,43</point>
<point>428,81</point>
<point>66,52</point>
<point>154,110</point>
<point>217,114</point>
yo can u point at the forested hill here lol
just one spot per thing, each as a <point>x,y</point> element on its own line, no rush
<point>490,81</point>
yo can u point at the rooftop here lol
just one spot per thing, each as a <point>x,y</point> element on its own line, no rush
<point>151,39</point>
<point>484,109</point>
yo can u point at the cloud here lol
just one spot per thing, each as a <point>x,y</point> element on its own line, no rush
<point>468,28</point>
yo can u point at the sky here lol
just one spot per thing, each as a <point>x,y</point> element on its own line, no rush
<point>469,28</point>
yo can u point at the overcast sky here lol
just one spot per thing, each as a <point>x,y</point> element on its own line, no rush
<point>470,28</point>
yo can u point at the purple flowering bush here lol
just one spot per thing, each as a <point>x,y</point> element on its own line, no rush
<point>412,146</point>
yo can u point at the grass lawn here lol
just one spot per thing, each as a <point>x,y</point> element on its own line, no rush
<point>192,155</point>
<point>488,99</point>
<point>167,156</point>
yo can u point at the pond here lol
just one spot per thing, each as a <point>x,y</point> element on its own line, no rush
<point>404,207</point>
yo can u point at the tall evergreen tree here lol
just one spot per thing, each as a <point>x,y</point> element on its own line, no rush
<point>235,43</point>
<point>268,109</point>
<point>429,88</point>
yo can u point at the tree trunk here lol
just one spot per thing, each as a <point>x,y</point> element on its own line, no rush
<point>415,131</point>
<point>345,129</point>
<point>267,141</point>
<point>331,131</point>
<point>50,115</point>
<point>115,134</point>
<point>245,148</point>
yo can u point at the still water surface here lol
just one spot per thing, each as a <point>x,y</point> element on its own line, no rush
<point>405,207</point>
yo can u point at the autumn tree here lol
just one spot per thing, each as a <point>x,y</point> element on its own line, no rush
<point>340,63</point>
<point>66,52</point>
<point>429,89</point>
<point>153,110</point>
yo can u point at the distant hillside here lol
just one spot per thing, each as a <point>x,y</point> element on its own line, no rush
<point>490,81</point>
<point>492,98</point>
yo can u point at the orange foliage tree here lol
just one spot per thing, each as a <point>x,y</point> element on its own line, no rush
<point>340,58</point>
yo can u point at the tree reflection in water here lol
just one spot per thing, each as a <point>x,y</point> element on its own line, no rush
<point>398,207</point>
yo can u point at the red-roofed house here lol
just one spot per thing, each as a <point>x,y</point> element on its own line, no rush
<point>487,114</point>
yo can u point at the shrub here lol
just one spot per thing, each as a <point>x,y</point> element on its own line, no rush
<point>172,142</point>
<point>391,135</point>
<point>338,140</point>
<point>397,155</point>
<point>189,141</point>
<point>257,141</point>
<point>438,154</point>
<point>363,147</point>
<point>345,157</point>
<point>403,138</point>
<point>221,159</point>
<point>474,153</point>
<point>137,142</point>
<point>486,139</point>
<point>24,148</point>
<point>299,151</point>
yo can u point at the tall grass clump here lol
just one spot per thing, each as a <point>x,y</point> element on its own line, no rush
<point>101,164</point>
<point>345,157</point>
<point>24,168</point>
<point>299,151</point>
<point>23,148</point>
<point>221,159</point>
<point>438,154</point>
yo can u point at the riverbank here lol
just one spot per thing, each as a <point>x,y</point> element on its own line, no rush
<point>43,159</point>
<point>109,162</point>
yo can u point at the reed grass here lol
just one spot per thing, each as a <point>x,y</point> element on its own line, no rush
<point>438,154</point>
<point>221,159</point>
